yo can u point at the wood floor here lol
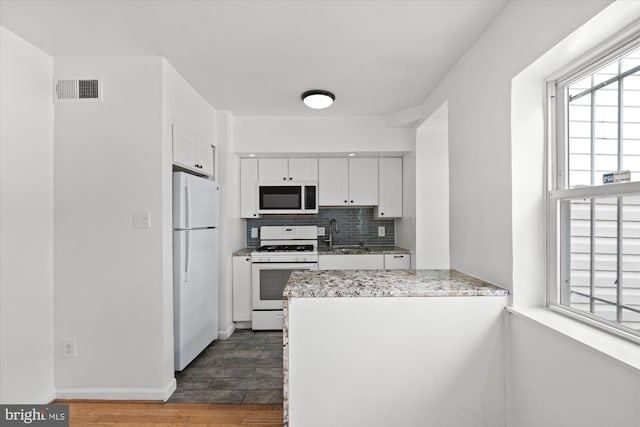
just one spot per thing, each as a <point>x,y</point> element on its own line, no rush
<point>121,414</point>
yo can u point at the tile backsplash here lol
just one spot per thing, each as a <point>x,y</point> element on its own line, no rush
<point>357,226</point>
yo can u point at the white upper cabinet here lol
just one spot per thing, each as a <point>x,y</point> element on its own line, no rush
<point>248,188</point>
<point>184,150</point>
<point>303,169</point>
<point>348,182</point>
<point>204,159</point>
<point>297,169</point>
<point>342,181</point>
<point>333,181</point>
<point>190,153</point>
<point>191,123</point>
<point>363,181</point>
<point>273,170</point>
<point>389,188</point>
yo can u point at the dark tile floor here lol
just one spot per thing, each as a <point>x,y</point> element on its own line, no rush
<point>246,368</point>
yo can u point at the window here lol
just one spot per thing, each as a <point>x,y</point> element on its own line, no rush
<point>594,202</point>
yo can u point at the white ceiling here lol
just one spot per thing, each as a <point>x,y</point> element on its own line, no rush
<point>257,57</point>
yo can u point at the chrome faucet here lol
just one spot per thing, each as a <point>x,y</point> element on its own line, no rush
<point>333,225</point>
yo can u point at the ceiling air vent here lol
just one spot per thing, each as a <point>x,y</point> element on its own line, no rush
<point>78,90</point>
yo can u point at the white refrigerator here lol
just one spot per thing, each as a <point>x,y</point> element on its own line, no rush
<point>195,266</point>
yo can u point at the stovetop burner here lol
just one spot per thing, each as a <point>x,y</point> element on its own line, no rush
<point>286,248</point>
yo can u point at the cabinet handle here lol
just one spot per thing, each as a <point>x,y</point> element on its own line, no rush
<point>284,179</point>
<point>254,214</point>
<point>398,256</point>
<point>352,201</point>
<point>247,259</point>
<point>290,179</point>
<point>346,201</point>
<point>381,213</point>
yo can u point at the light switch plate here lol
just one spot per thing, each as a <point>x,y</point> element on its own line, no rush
<point>320,231</point>
<point>381,231</point>
<point>254,232</point>
<point>142,219</point>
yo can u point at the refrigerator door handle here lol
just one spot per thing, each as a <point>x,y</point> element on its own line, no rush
<point>187,256</point>
<point>187,207</point>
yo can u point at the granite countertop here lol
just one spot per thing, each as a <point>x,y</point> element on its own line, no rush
<point>340,250</point>
<point>386,283</point>
<point>243,252</point>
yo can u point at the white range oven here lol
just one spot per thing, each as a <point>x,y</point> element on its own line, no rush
<point>283,250</point>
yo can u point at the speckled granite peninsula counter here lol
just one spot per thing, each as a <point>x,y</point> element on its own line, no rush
<point>386,283</point>
<point>371,348</point>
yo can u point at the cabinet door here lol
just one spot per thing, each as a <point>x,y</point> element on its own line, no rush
<point>363,182</point>
<point>397,261</point>
<point>184,150</point>
<point>273,170</point>
<point>389,188</point>
<point>333,182</point>
<point>351,262</point>
<point>204,160</point>
<point>248,188</point>
<point>303,169</point>
<point>241,282</point>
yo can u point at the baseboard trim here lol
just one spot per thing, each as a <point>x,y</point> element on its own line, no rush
<point>225,335</point>
<point>154,394</point>
<point>49,397</point>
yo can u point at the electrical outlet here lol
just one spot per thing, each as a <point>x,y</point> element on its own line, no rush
<point>320,231</point>
<point>142,219</point>
<point>381,231</point>
<point>254,232</point>
<point>69,348</point>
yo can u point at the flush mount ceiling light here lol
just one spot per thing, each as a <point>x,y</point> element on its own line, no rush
<point>318,99</point>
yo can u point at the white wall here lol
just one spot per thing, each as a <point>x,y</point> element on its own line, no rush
<point>258,134</point>
<point>432,191</point>
<point>568,384</point>
<point>111,284</point>
<point>26,222</point>
<point>478,93</point>
<point>233,229</point>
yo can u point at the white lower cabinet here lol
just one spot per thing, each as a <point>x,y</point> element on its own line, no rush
<point>365,262</point>
<point>351,262</point>
<point>397,261</point>
<point>268,319</point>
<point>241,283</point>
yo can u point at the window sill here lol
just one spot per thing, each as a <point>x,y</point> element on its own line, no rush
<point>617,348</point>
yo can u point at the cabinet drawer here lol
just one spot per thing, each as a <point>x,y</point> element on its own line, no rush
<point>268,320</point>
<point>397,261</point>
<point>351,262</point>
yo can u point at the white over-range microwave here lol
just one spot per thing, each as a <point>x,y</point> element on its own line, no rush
<point>292,197</point>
